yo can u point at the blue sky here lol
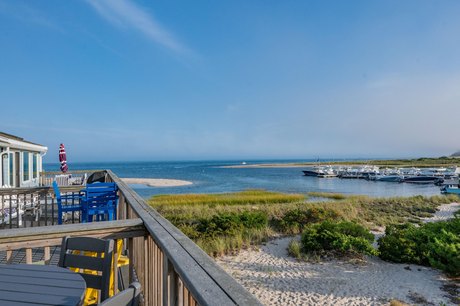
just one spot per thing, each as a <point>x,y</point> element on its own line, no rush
<point>172,80</point>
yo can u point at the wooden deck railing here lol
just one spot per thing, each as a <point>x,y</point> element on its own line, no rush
<point>32,207</point>
<point>76,176</point>
<point>170,267</point>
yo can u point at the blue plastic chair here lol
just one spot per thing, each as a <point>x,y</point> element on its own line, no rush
<point>72,203</point>
<point>100,200</point>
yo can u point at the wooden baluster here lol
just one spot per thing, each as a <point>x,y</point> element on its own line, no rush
<point>47,256</point>
<point>132,261</point>
<point>9,257</point>
<point>180,292</point>
<point>145,272</point>
<point>28,256</point>
<point>169,283</point>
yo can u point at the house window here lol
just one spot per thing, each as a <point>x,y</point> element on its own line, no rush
<point>25,168</point>
<point>35,166</point>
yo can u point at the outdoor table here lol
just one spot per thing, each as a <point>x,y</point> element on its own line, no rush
<point>40,284</point>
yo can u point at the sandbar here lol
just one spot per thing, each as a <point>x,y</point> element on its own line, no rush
<point>156,182</point>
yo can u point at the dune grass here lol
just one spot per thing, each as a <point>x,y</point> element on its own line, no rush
<point>247,197</point>
<point>327,195</point>
<point>224,223</point>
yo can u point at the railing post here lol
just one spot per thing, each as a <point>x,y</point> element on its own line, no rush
<point>28,256</point>
<point>47,256</point>
<point>9,257</point>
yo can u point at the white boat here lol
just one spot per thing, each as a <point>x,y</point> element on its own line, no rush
<point>389,175</point>
<point>320,171</point>
<point>327,171</point>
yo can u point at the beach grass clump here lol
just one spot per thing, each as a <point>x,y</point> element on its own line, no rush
<point>327,195</point>
<point>343,238</point>
<point>435,244</point>
<point>295,249</point>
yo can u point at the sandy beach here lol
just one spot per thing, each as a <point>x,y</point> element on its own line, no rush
<point>156,182</point>
<point>278,279</point>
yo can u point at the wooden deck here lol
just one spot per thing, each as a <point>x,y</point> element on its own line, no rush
<point>171,268</point>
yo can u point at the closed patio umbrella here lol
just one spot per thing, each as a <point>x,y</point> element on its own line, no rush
<point>63,158</point>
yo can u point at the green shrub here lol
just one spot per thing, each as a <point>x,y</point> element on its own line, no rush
<point>398,244</point>
<point>434,244</point>
<point>253,219</point>
<point>226,224</point>
<point>295,220</point>
<point>445,253</point>
<point>344,237</point>
<point>189,231</point>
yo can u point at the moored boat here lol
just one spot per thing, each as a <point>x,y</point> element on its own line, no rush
<point>320,171</point>
<point>451,187</point>
<point>311,172</point>
<point>421,179</point>
<point>390,178</point>
<point>450,190</point>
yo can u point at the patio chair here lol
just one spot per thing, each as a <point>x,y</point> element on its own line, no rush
<point>99,176</point>
<point>100,200</point>
<point>72,203</point>
<point>127,297</point>
<point>78,180</point>
<point>93,261</point>
<point>32,206</point>
<point>62,179</point>
<point>11,207</point>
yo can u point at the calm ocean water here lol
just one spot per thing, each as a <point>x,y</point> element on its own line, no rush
<point>209,177</point>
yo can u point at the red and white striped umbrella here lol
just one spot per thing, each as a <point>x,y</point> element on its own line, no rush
<point>63,158</point>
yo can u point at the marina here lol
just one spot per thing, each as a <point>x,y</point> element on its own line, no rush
<point>447,178</point>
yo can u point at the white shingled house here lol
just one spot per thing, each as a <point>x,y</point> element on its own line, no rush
<point>20,161</point>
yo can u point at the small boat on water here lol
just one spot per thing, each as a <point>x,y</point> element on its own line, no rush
<point>450,190</point>
<point>320,171</point>
<point>311,172</point>
<point>451,187</point>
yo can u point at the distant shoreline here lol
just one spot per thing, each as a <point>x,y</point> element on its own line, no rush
<point>419,162</point>
<point>156,182</point>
